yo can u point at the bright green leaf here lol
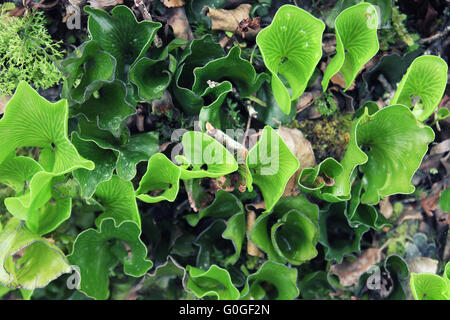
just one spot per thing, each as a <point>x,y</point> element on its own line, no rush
<point>423,86</point>
<point>91,66</point>
<point>121,35</point>
<point>118,200</point>
<point>44,126</point>
<point>41,262</point>
<point>357,42</point>
<point>215,282</point>
<point>161,180</point>
<point>106,106</point>
<point>320,179</point>
<point>284,279</point>
<point>290,232</point>
<point>361,214</point>
<point>387,151</point>
<point>106,249</point>
<point>204,157</point>
<point>17,172</point>
<point>270,164</point>
<point>427,286</point>
<point>41,206</point>
<point>291,48</point>
<point>224,206</point>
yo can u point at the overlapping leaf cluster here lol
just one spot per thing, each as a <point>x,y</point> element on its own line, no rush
<point>118,68</point>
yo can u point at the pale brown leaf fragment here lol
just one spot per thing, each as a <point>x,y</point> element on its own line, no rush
<point>301,148</point>
<point>101,4</point>
<point>3,102</point>
<point>349,272</point>
<point>252,249</point>
<point>430,203</point>
<point>307,99</point>
<point>298,145</point>
<point>423,265</point>
<point>173,3</point>
<point>179,23</point>
<point>441,147</point>
<point>386,208</point>
<point>228,20</point>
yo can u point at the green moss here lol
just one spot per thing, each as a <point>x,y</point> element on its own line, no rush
<point>326,105</point>
<point>400,235</point>
<point>27,52</point>
<point>329,136</point>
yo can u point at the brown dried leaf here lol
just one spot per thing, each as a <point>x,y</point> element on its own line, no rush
<point>179,23</point>
<point>101,4</point>
<point>337,79</point>
<point>441,148</point>
<point>3,102</point>
<point>252,249</point>
<point>307,99</point>
<point>302,150</point>
<point>228,20</point>
<point>349,272</point>
<point>430,203</point>
<point>173,3</point>
<point>386,208</point>
<point>423,265</point>
<point>77,3</point>
<point>298,145</point>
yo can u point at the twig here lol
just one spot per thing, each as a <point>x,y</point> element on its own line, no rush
<point>436,36</point>
<point>252,249</point>
<point>251,114</point>
<point>387,86</point>
<point>220,136</point>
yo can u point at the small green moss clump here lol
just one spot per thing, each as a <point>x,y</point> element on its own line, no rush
<point>27,52</point>
<point>400,236</point>
<point>329,136</point>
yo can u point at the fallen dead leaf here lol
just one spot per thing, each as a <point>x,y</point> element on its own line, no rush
<point>179,23</point>
<point>423,265</point>
<point>298,145</point>
<point>430,203</point>
<point>252,249</point>
<point>101,4</point>
<point>349,272</point>
<point>164,146</point>
<point>307,99</point>
<point>173,3</point>
<point>3,102</point>
<point>338,79</point>
<point>228,20</point>
<point>301,148</point>
<point>77,2</point>
<point>441,148</point>
<point>386,208</point>
<point>409,213</point>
